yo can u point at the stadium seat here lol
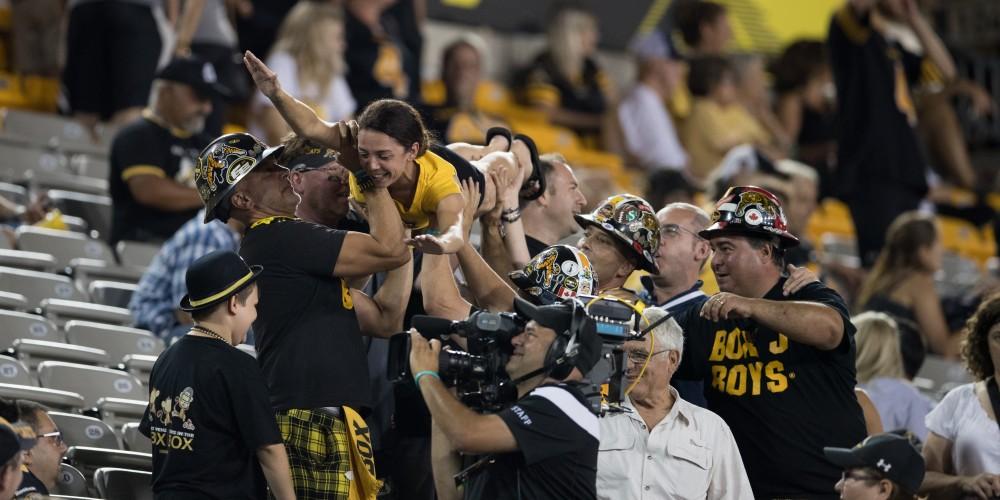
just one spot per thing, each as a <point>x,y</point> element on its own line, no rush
<point>140,365</point>
<point>37,286</point>
<point>136,253</point>
<point>53,398</point>
<point>13,301</point>
<point>86,270</point>
<point>45,180</point>
<point>14,193</point>
<point>63,245</point>
<point>134,440</point>
<point>89,459</point>
<point>111,293</point>
<point>33,352</point>
<point>20,325</point>
<point>117,341</point>
<point>123,484</point>
<point>89,165</point>
<point>937,376</point>
<point>70,483</point>
<point>19,162</point>
<point>61,311</point>
<point>93,208</point>
<point>119,411</point>
<point>80,430</point>
<point>14,372</point>
<point>91,382</point>
<point>46,129</point>
<point>31,261</point>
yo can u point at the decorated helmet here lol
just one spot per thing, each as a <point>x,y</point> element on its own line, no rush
<point>222,164</point>
<point>633,221</point>
<point>556,273</point>
<point>750,211</point>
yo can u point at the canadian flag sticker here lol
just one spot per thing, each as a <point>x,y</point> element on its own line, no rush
<point>753,217</point>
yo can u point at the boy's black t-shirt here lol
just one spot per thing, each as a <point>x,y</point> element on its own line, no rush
<point>783,400</point>
<point>208,415</point>
<point>557,439</point>
<point>147,148</point>
<point>307,336</point>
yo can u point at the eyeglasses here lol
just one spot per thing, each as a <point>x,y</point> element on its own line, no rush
<point>858,476</point>
<point>640,356</point>
<point>672,230</point>
<point>55,435</point>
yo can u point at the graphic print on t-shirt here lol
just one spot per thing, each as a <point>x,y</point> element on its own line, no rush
<point>749,375</point>
<point>167,415</point>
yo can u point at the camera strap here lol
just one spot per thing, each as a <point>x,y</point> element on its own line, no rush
<point>994,392</point>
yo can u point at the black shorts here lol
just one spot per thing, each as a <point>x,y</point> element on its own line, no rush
<point>463,168</point>
<point>113,49</point>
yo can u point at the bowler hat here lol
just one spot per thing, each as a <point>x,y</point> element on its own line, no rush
<point>215,277</point>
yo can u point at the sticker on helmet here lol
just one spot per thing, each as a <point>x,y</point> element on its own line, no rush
<point>753,217</point>
<point>570,268</point>
<point>239,168</point>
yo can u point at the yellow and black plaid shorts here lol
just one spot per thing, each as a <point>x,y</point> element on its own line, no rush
<point>317,445</point>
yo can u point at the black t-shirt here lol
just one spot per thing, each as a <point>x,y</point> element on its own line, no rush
<point>535,247</point>
<point>146,148</point>
<point>308,341</point>
<point>875,139</point>
<point>783,400</point>
<point>208,415</point>
<point>31,488</point>
<point>557,439</point>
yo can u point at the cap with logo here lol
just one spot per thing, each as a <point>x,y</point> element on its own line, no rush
<point>632,221</point>
<point>890,454</point>
<point>222,164</point>
<point>312,159</point>
<point>197,73</point>
<point>558,272</point>
<point>14,438</point>
<point>559,317</point>
<point>750,211</point>
<point>215,277</point>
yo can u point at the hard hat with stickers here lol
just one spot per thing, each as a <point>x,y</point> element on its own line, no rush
<point>750,211</point>
<point>633,221</point>
<point>222,164</point>
<point>558,272</point>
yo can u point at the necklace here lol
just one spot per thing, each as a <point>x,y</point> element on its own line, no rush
<point>202,329</point>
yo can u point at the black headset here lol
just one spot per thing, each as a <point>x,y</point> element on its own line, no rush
<point>562,352</point>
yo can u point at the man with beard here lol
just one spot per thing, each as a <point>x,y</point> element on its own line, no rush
<point>152,159</point>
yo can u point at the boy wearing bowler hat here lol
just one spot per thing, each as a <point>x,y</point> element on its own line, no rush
<point>209,417</point>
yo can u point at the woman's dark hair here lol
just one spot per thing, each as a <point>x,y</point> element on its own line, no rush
<point>975,348</point>
<point>900,256</point>
<point>690,16</point>
<point>706,73</point>
<point>800,61</point>
<point>398,120</point>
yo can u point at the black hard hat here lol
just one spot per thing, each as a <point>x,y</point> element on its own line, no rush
<point>222,164</point>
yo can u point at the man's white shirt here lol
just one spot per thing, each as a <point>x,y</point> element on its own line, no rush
<point>689,454</point>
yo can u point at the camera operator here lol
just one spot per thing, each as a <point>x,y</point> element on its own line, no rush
<point>781,368</point>
<point>545,445</point>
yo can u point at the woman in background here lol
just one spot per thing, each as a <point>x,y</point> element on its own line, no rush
<point>309,58</point>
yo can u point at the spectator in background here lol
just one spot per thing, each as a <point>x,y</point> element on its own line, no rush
<point>113,49</point>
<point>963,447</point>
<point>565,81</point>
<point>704,27</point>
<point>154,302</point>
<point>883,466</point>
<point>42,461</point>
<point>805,105</point>
<point>880,170</point>
<point>800,200</point>
<point>152,160</point>
<point>902,285</point>
<point>718,121</point>
<point>36,31</point>
<point>385,49</point>
<point>638,455</point>
<point>881,375</point>
<point>549,218</point>
<point>457,118</point>
<point>649,132</point>
<point>204,30</point>
<point>308,57</point>
<point>754,93</point>
<point>669,186</point>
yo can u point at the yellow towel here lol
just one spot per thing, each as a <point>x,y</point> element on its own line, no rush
<point>364,484</point>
